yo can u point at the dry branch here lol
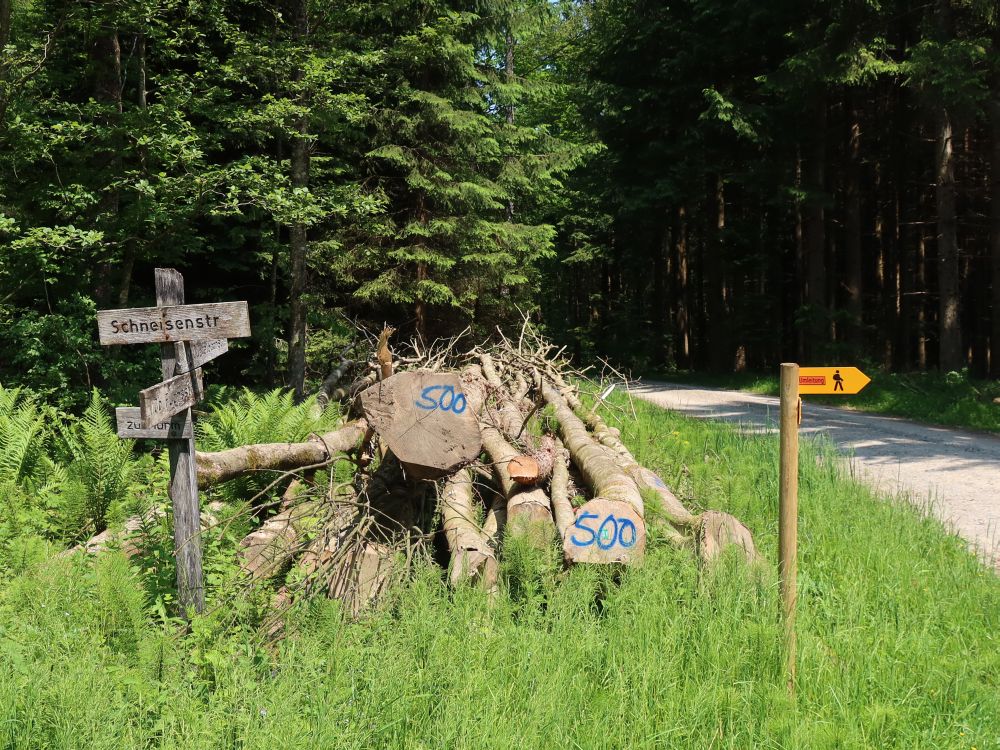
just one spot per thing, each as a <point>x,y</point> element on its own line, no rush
<point>222,466</point>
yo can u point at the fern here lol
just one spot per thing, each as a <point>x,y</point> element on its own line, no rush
<point>24,436</point>
<point>100,471</point>
<point>272,417</point>
<point>30,480</point>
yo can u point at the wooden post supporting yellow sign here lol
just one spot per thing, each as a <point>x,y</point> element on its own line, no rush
<point>795,381</point>
<point>788,508</point>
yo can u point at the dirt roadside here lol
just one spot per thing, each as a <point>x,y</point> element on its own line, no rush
<point>957,470</point>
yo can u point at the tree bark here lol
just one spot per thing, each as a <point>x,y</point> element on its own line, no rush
<point>106,60</point>
<point>711,531</point>
<point>682,290</point>
<point>509,78</point>
<point>472,558</point>
<point>852,231</point>
<point>814,232</point>
<point>221,466</point>
<point>298,238</point>
<point>562,509</point>
<point>718,334</point>
<point>5,18</point>
<point>949,272</point>
<point>615,492</point>
<point>995,213</point>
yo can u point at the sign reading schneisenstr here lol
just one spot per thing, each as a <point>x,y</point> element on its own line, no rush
<point>142,325</point>
<point>190,336</point>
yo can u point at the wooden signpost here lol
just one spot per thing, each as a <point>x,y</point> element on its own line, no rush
<point>797,380</point>
<point>173,322</point>
<point>163,400</point>
<point>189,336</point>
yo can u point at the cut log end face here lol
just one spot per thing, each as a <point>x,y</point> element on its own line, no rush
<point>425,420</point>
<point>523,470</point>
<point>605,531</point>
<point>719,531</point>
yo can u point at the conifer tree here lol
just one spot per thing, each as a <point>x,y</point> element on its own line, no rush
<point>448,163</point>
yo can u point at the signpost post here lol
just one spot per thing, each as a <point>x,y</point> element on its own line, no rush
<point>795,381</point>
<point>189,336</point>
<point>788,508</point>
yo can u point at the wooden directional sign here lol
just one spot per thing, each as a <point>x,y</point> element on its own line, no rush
<point>129,420</point>
<point>831,380</point>
<point>202,352</point>
<point>144,325</point>
<point>189,336</point>
<point>160,402</point>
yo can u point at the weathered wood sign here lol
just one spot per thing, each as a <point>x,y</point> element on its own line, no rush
<point>202,352</point>
<point>145,325</point>
<point>130,426</point>
<point>161,401</point>
<point>189,336</point>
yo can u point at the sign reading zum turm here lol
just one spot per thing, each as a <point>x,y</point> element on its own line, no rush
<point>148,325</point>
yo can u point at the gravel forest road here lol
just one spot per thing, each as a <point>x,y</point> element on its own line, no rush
<point>957,470</point>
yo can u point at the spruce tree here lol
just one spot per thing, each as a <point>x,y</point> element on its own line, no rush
<point>448,164</point>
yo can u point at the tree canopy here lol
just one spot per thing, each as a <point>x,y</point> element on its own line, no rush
<point>687,184</point>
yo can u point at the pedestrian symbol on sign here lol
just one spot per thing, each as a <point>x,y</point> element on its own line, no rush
<point>838,381</point>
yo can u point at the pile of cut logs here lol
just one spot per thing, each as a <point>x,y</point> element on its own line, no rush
<point>479,448</point>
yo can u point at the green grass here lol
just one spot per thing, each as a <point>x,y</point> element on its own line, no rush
<point>898,630</point>
<point>951,399</point>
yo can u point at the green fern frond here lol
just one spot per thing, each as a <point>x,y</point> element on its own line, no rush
<point>24,435</point>
<point>101,463</point>
<point>272,417</point>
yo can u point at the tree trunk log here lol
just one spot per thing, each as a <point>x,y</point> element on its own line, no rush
<point>711,531</point>
<point>472,558</point>
<point>617,500</point>
<point>214,468</point>
<point>562,509</point>
<point>424,418</point>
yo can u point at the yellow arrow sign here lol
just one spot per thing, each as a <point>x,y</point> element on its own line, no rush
<point>831,380</point>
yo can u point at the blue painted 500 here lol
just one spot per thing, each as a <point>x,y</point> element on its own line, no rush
<point>455,403</point>
<point>612,531</point>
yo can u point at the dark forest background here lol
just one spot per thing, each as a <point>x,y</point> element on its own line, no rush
<point>695,184</point>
